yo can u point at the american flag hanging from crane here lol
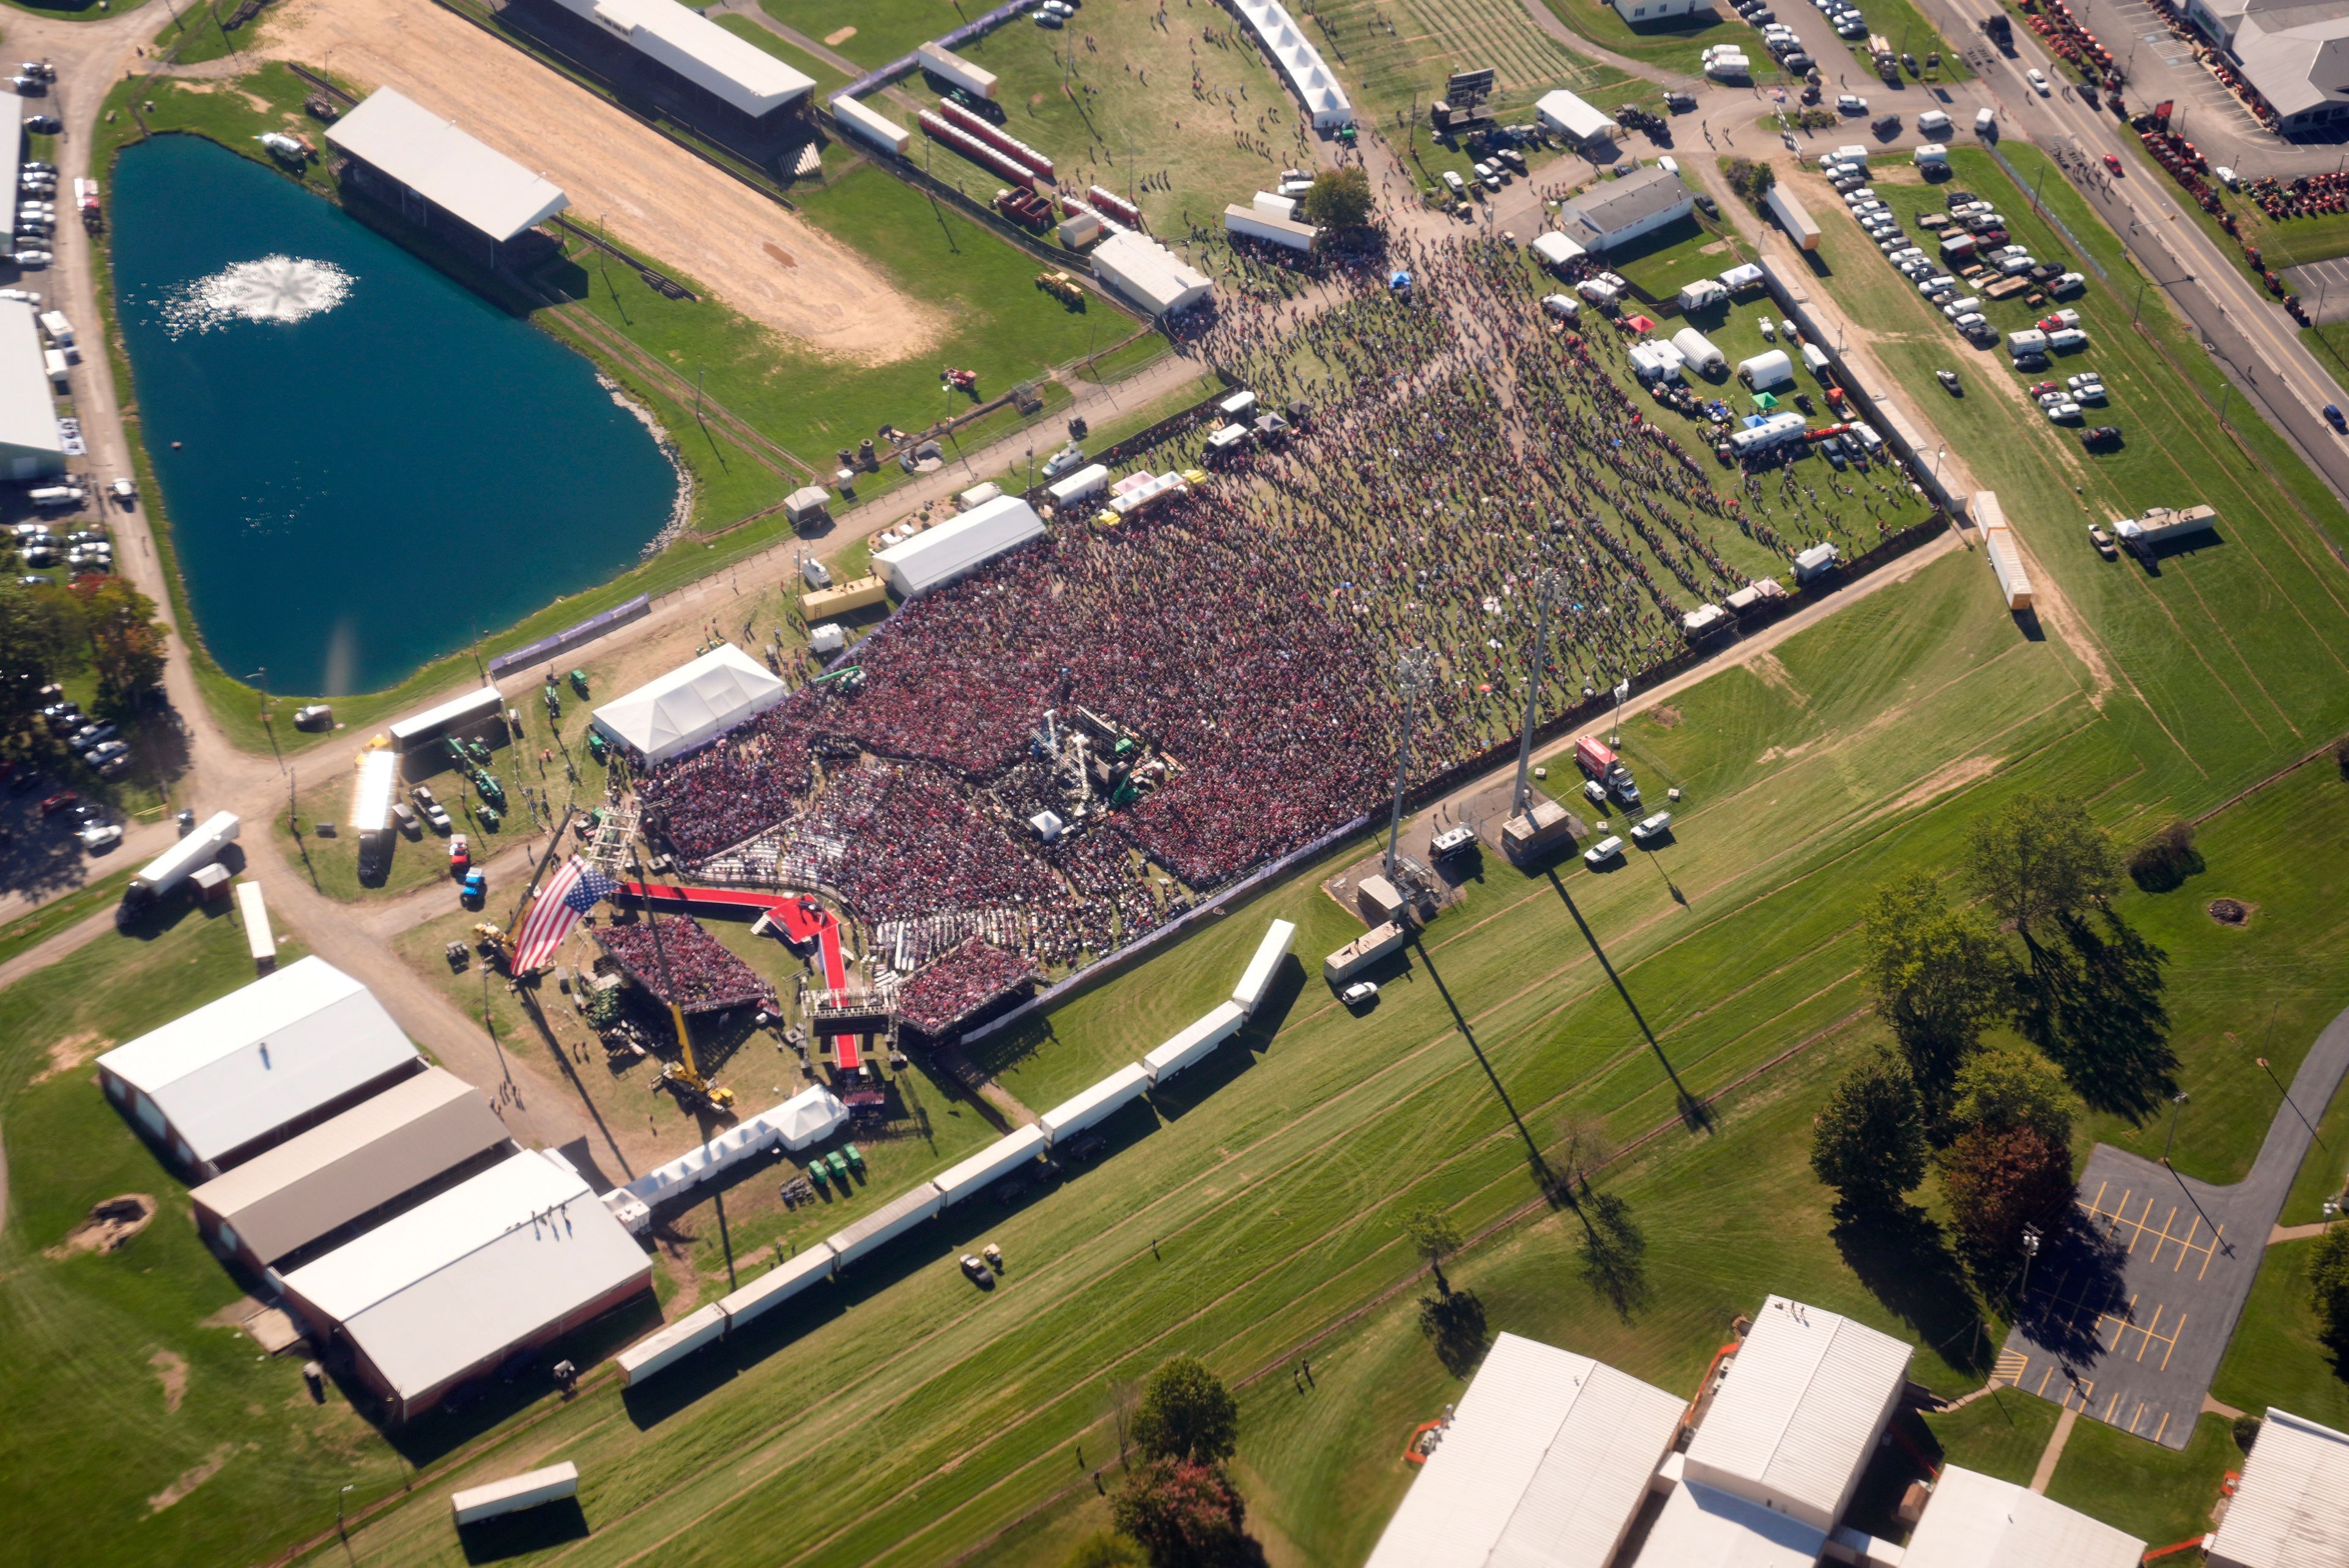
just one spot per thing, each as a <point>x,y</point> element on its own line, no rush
<point>577,888</point>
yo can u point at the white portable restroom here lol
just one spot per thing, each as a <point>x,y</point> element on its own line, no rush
<point>1083,485</point>
<point>885,1224</point>
<point>528,1489</point>
<point>1765,371</point>
<point>1257,979</point>
<point>827,639</point>
<point>1187,1048</point>
<point>879,130</point>
<point>953,67</point>
<point>777,1285</point>
<point>1816,562</point>
<point>674,1342</point>
<point>998,1160</point>
<point>2006,565</point>
<point>1112,1094</point>
<point>1697,350</point>
<point>259,940</point>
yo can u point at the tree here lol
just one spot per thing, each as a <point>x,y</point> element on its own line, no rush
<point>1340,199</point>
<point>1750,179</point>
<point>1998,1183</point>
<point>1870,1142</point>
<point>37,640</point>
<point>1107,1549</point>
<point>2005,1089</point>
<point>2041,858</point>
<point>1938,974</point>
<point>1435,1237</point>
<point>124,639</point>
<point>2328,1286</point>
<point>1186,1515</point>
<point>1186,1413</point>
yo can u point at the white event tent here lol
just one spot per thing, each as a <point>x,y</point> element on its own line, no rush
<point>690,705</point>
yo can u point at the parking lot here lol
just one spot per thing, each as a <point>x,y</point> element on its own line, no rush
<point>2323,287</point>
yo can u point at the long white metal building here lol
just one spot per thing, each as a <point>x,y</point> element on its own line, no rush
<point>2291,1510</point>
<point>1974,1521</point>
<point>957,546</point>
<point>422,164</point>
<point>735,71</point>
<point>257,1066</point>
<point>1546,1461</point>
<point>1149,274</point>
<point>31,445</point>
<point>692,705</point>
<point>513,1258</point>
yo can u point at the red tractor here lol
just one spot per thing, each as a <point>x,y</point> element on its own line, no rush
<point>960,380</point>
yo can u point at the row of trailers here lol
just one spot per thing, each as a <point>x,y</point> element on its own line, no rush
<point>1017,1151</point>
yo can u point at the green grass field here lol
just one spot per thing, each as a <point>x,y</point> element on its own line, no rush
<point>2159,1497</point>
<point>1397,57</point>
<point>2278,1355</point>
<point>826,76</point>
<point>881,32</point>
<point>1674,44</point>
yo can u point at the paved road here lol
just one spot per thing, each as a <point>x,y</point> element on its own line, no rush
<point>2128,1311</point>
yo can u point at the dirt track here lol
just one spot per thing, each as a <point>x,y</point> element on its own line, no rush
<point>653,196</point>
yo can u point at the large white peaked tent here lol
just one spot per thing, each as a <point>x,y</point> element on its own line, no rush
<point>690,705</point>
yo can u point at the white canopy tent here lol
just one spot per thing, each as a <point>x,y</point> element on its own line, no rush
<point>691,706</point>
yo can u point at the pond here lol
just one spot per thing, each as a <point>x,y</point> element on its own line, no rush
<point>365,464</point>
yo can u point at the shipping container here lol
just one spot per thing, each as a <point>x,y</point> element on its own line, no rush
<point>1083,485</point>
<point>673,1343</point>
<point>259,940</point>
<point>1112,1094</point>
<point>476,1504</point>
<point>879,130</point>
<point>885,1224</point>
<point>2006,565</point>
<point>1257,979</point>
<point>1193,1043</point>
<point>1363,951</point>
<point>996,1160</point>
<point>777,1285</point>
<point>950,67</point>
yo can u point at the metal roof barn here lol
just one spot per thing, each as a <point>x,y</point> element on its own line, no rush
<point>1617,211</point>
<point>510,1259</point>
<point>736,72</point>
<point>692,705</point>
<point>30,443</point>
<point>1801,1408</point>
<point>1703,1527</point>
<point>262,1063</point>
<point>461,176</point>
<point>1974,1521</point>
<point>1545,1465</point>
<point>1570,116</point>
<point>2291,1510</point>
<point>312,1185</point>
<point>1149,274</point>
<point>961,545</point>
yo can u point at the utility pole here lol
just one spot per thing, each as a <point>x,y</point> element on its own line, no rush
<point>1547,586</point>
<point>1414,679</point>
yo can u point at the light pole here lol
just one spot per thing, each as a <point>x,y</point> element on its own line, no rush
<point>2030,1250</point>
<point>2175,1100</point>
<point>338,1506</point>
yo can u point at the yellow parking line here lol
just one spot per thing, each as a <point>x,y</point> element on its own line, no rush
<point>2175,1330</point>
<point>2190,1229</point>
<point>2167,1221</point>
<point>2212,1250</point>
<point>2138,1417</point>
<point>2043,1378</point>
<point>2163,1427</point>
<point>2149,1332</point>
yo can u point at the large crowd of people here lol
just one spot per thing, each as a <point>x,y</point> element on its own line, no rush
<point>959,983</point>
<point>1457,443</point>
<point>708,978</point>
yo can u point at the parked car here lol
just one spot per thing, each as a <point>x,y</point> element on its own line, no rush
<point>1607,849</point>
<point>1949,380</point>
<point>1359,992</point>
<point>1851,103</point>
<point>99,837</point>
<point>2101,436</point>
<point>461,853</point>
<point>2101,540</point>
<point>476,889</point>
<point>59,803</point>
<point>2038,80</point>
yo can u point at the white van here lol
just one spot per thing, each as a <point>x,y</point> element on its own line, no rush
<point>1605,849</point>
<point>1653,829</point>
<point>2070,339</point>
<point>1985,122</point>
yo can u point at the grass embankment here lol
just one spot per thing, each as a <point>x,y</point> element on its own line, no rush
<point>1672,43</point>
<point>137,1423</point>
<point>871,34</point>
<point>28,930</point>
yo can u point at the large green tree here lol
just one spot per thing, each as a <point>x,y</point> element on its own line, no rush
<point>1434,1236</point>
<point>1938,974</point>
<point>1868,1143</point>
<point>2328,1284</point>
<point>1340,199</point>
<point>1107,1549</point>
<point>125,641</point>
<point>2003,1090</point>
<point>1186,1515</point>
<point>2039,857</point>
<point>1186,1413</point>
<point>37,639</point>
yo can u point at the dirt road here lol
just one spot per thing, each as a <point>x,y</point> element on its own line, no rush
<point>652,195</point>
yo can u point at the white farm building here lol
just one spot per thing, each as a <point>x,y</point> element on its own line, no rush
<point>2291,1510</point>
<point>1616,211</point>
<point>259,1064</point>
<point>440,178</point>
<point>734,72</point>
<point>1148,274</point>
<point>691,706</point>
<point>31,445</point>
<point>1974,1521</point>
<point>961,545</point>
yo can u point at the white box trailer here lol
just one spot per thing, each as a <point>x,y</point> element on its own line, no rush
<point>777,1285</point>
<point>1816,562</point>
<point>59,329</point>
<point>877,128</point>
<point>60,369</point>
<point>945,63</point>
<point>528,1489</point>
<point>1105,1098</point>
<point>1190,1045</point>
<point>167,871</point>
<point>1698,352</point>
<point>1083,485</point>
<point>372,791</point>
<point>1793,218</point>
<point>674,1342</point>
<point>1257,979</point>
<point>998,1160</point>
<point>885,1224</point>
<point>2006,565</point>
<point>457,713</point>
<point>1286,232</point>
<point>259,940</point>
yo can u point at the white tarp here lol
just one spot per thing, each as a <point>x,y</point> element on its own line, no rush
<point>692,705</point>
<point>937,556</point>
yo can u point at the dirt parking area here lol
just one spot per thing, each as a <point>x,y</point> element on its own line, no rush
<point>652,196</point>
